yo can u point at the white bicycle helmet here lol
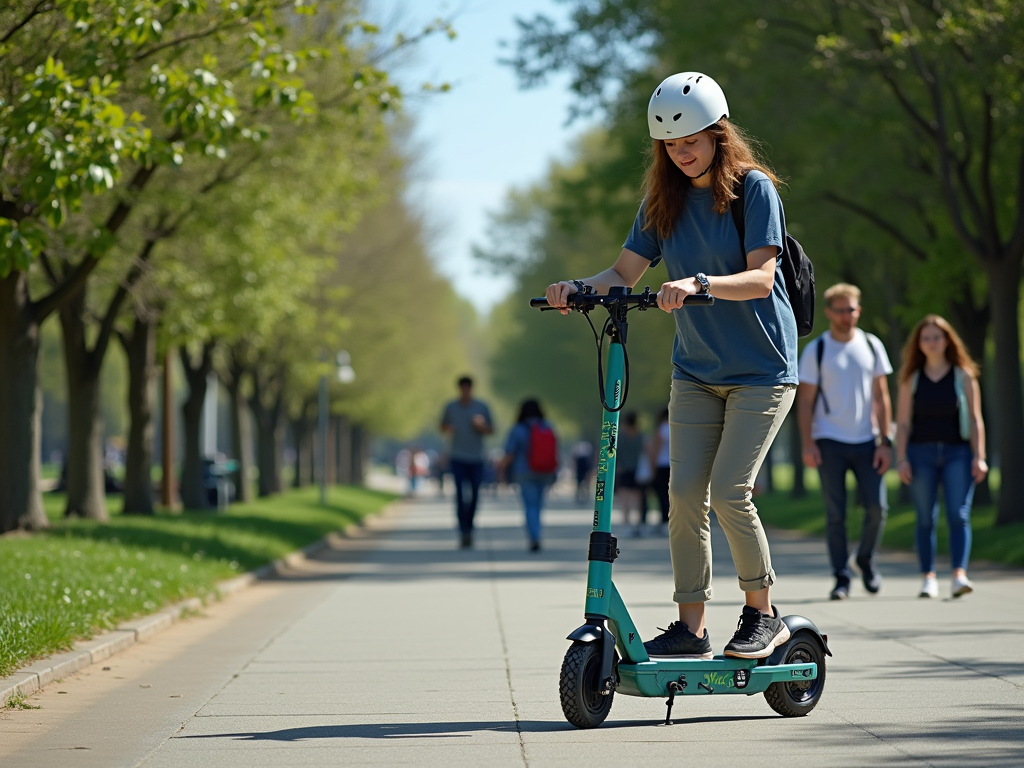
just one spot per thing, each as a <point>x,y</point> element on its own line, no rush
<point>685,104</point>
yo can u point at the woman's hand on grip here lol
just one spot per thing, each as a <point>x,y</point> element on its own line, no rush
<point>558,294</point>
<point>673,294</point>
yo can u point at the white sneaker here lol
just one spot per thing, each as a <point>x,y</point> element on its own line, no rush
<point>962,586</point>
<point>930,587</point>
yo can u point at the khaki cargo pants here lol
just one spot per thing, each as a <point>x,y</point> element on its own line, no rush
<point>719,437</point>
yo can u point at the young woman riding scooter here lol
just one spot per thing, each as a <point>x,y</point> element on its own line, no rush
<point>734,370</point>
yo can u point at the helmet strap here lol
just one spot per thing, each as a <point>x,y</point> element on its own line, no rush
<point>711,164</point>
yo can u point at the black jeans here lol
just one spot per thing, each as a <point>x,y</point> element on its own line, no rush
<point>836,459</point>
<point>471,472</point>
<point>660,485</point>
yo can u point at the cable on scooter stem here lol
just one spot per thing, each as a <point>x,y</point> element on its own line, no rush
<point>599,339</point>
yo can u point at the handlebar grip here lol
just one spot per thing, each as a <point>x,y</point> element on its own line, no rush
<point>700,298</point>
<point>541,302</point>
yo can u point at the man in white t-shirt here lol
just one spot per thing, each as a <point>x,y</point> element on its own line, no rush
<point>844,412</point>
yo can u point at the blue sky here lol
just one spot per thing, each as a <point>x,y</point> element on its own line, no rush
<point>484,136</point>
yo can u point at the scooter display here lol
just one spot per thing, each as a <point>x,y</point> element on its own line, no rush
<point>607,654</point>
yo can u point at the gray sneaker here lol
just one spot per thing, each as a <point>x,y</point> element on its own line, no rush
<point>678,642</point>
<point>757,635</point>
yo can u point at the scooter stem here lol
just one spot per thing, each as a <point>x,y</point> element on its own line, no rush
<point>602,546</point>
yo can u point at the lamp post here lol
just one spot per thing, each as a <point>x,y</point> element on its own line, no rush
<point>346,375</point>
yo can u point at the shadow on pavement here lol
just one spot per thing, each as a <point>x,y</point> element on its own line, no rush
<point>449,729</point>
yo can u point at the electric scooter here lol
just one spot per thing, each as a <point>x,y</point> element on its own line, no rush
<point>607,655</point>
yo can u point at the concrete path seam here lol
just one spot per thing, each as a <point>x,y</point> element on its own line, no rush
<point>36,676</point>
<point>505,656</point>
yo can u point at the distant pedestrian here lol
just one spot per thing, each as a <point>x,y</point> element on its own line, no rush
<point>844,412</point>
<point>531,461</point>
<point>659,453</point>
<point>629,444</point>
<point>467,421</point>
<point>583,461</point>
<point>940,437</point>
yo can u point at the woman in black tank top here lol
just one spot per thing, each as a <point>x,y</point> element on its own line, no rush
<point>940,438</point>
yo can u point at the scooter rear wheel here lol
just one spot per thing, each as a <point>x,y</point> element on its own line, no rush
<point>798,698</point>
<point>578,686</point>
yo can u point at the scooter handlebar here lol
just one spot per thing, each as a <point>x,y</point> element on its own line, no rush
<point>581,300</point>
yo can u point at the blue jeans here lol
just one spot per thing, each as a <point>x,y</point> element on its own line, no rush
<point>949,463</point>
<point>471,472</point>
<point>533,499</point>
<point>836,459</point>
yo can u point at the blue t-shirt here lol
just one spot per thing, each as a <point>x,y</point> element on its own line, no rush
<point>752,343</point>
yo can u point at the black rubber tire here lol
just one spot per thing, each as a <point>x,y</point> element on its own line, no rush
<point>582,703</point>
<point>798,698</point>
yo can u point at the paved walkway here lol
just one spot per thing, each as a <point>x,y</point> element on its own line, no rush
<point>394,648</point>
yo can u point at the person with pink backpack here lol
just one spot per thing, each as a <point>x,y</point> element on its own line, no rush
<point>531,461</point>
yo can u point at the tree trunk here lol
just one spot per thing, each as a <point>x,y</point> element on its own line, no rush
<point>344,451</point>
<point>304,461</point>
<point>270,434</point>
<point>193,491</point>
<point>140,348</point>
<point>1004,289</point>
<point>331,460</point>
<point>85,481</point>
<point>269,451</point>
<point>21,405</point>
<point>241,437</point>
<point>360,453</point>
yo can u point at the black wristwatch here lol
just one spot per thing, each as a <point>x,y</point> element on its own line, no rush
<point>885,441</point>
<point>705,286</point>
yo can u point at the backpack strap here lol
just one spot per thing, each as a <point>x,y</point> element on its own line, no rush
<point>871,338</point>
<point>737,209</point>
<point>821,393</point>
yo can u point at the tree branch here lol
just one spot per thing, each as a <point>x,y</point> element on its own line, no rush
<point>38,10</point>
<point>117,300</point>
<point>75,279</point>
<point>44,257</point>
<point>886,226</point>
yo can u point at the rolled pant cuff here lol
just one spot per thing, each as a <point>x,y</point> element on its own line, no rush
<point>758,584</point>
<point>700,596</point>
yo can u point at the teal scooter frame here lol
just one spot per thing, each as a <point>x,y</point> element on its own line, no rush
<point>607,655</point>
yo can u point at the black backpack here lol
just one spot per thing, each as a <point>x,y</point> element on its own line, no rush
<point>797,269</point>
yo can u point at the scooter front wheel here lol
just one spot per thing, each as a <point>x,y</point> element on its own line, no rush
<point>583,704</point>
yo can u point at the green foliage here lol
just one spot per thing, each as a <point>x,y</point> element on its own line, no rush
<point>815,82</point>
<point>554,357</point>
<point>83,577</point>
<point>147,84</point>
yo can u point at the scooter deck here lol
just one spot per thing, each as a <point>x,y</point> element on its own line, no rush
<point>703,677</point>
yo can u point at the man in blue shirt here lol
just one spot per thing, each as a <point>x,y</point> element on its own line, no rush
<point>467,421</point>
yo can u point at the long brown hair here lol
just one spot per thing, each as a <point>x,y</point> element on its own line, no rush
<point>956,350</point>
<point>664,185</point>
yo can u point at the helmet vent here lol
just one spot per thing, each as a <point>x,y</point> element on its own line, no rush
<point>658,118</point>
<point>698,79</point>
<point>658,92</point>
<point>686,89</point>
<point>677,116</point>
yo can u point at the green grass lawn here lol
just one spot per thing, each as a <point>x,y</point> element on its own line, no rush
<point>82,577</point>
<point>1001,545</point>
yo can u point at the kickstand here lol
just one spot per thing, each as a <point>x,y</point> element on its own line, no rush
<point>672,688</point>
